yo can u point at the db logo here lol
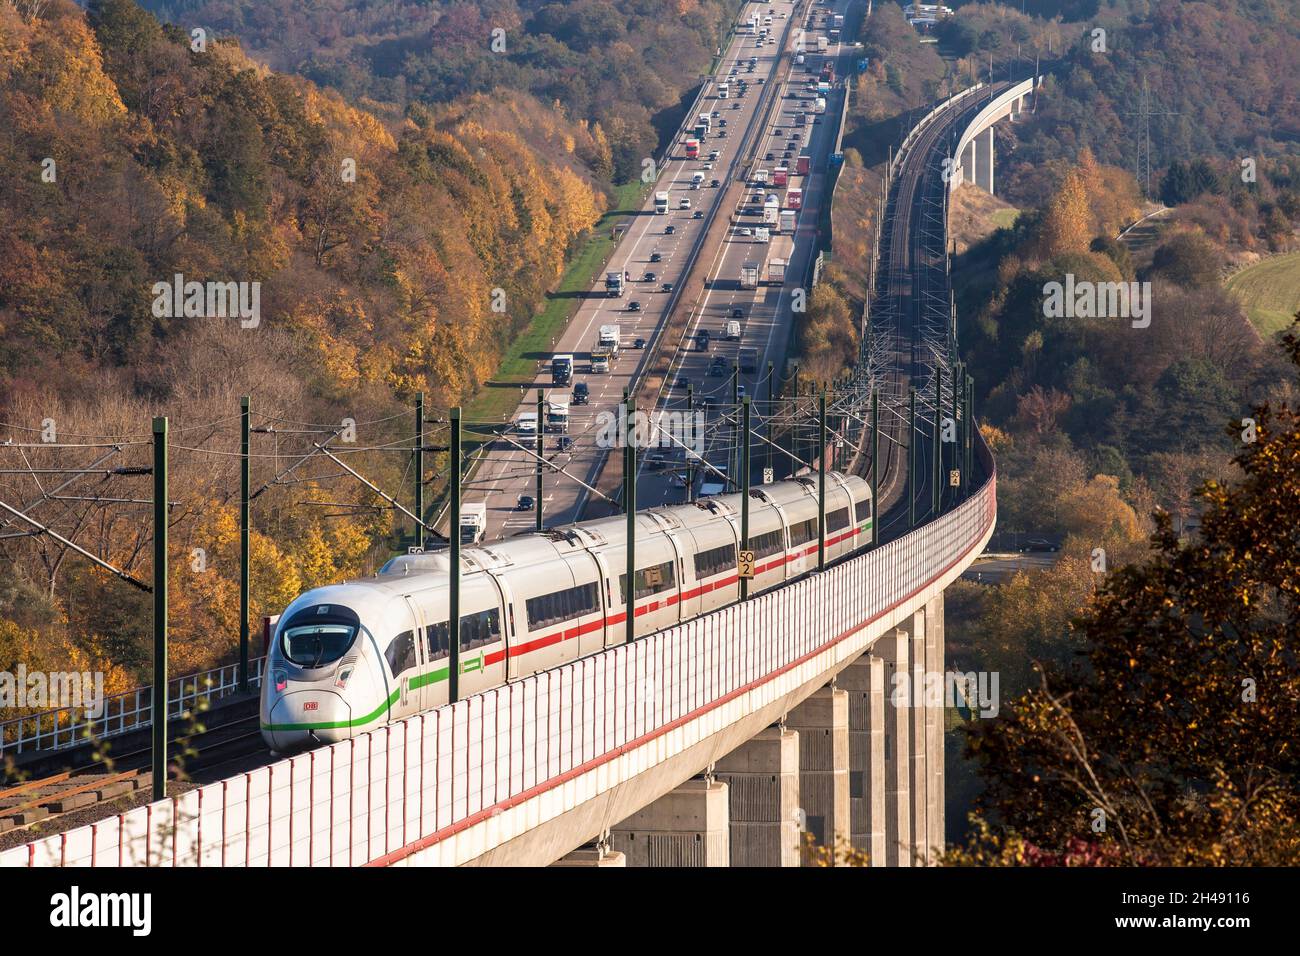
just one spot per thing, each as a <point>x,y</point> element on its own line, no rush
<point>311,705</point>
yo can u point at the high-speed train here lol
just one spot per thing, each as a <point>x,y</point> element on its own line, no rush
<point>348,657</point>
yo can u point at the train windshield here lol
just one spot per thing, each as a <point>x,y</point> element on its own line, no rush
<point>320,635</point>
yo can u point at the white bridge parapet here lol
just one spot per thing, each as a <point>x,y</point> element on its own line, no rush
<point>527,772</point>
<point>973,156</point>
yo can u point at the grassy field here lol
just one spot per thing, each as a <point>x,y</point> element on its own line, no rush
<point>500,396</point>
<point>1005,218</point>
<point>1270,291</point>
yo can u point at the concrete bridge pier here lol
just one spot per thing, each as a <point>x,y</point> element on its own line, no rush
<point>687,826</point>
<point>864,682</point>
<point>762,778</point>
<point>893,648</point>
<point>597,854</point>
<point>983,144</point>
<point>822,721</point>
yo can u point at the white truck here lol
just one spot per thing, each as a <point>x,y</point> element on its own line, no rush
<point>820,105</point>
<point>763,234</point>
<point>787,221</point>
<point>749,275</point>
<point>608,338</point>
<point>731,331</point>
<point>473,522</point>
<point>760,177</point>
<point>822,44</point>
<point>526,424</point>
<point>614,284</point>
<point>557,415</point>
<point>772,210</point>
<point>778,259</point>
<point>661,203</point>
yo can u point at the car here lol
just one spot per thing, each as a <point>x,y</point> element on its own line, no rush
<point>650,277</point>
<point>702,340</point>
<point>715,112</point>
<point>787,154</point>
<point>669,230</point>
<point>666,287</point>
<point>639,343</point>
<point>656,257</point>
<point>737,313</point>
<point>681,381</point>
<point>735,106</point>
<point>1039,544</point>
<point>524,503</point>
<point>699,214</point>
<point>581,393</point>
<point>707,166</point>
<point>714,183</point>
<point>746,231</point>
<point>759,80</point>
<point>722,122</point>
<point>778,131</point>
<point>715,154</point>
<point>718,366</point>
<point>769,157</point>
<point>564,443</point>
<point>684,203</point>
<point>634,306</point>
<point>722,134</point>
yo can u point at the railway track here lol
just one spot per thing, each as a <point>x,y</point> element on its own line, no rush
<point>103,787</point>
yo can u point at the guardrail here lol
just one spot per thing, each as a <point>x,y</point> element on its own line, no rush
<point>518,756</point>
<point>54,730</point>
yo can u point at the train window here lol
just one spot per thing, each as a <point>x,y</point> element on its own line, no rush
<point>562,605</point>
<point>437,641</point>
<point>319,635</point>
<point>652,580</point>
<point>862,511</point>
<point>715,561</point>
<point>477,630</point>
<point>765,545</point>
<point>401,653</point>
<point>803,532</point>
<point>837,520</point>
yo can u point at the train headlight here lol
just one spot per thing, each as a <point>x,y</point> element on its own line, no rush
<point>281,680</point>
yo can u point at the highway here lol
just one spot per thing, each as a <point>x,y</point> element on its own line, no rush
<point>680,251</point>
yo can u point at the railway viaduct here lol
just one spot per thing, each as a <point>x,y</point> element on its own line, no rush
<point>717,742</point>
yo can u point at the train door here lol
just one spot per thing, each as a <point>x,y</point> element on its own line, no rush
<point>415,688</point>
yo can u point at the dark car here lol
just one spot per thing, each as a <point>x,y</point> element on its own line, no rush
<point>667,287</point>
<point>786,155</point>
<point>650,277</point>
<point>778,132</point>
<point>525,503</point>
<point>722,134</point>
<point>1038,544</point>
<point>718,366</point>
<point>698,214</point>
<point>737,313</point>
<point>768,157</point>
<point>735,106</point>
<point>581,394</point>
<point>721,122</point>
<point>639,344</point>
<point>714,184</point>
<point>669,230</point>
<point>681,382</point>
<point>655,257</point>
<point>634,306</point>
<point>564,443</point>
<point>702,341</point>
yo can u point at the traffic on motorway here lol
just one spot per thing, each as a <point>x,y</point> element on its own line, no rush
<point>744,312</point>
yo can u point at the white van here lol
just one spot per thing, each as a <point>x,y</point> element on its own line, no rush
<point>732,331</point>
